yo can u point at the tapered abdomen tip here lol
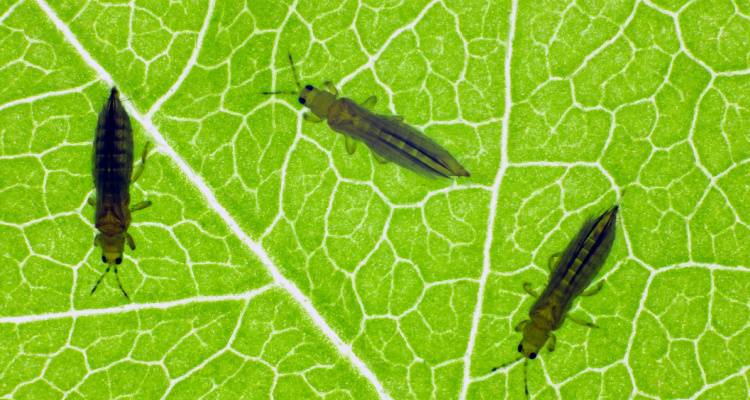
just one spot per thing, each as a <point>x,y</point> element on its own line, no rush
<point>462,172</point>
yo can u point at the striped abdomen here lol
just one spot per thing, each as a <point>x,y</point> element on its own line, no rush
<point>577,267</point>
<point>393,140</point>
<point>113,165</point>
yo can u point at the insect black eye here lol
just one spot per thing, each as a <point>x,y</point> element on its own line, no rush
<point>118,260</point>
<point>309,88</point>
<point>520,348</point>
<point>104,259</point>
<point>532,356</point>
<point>301,100</point>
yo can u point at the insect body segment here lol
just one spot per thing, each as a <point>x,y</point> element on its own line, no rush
<point>113,174</point>
<point>573,272</point>
<point>388,137</point>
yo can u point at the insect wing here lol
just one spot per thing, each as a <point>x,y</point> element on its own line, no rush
<point>422,153</point>
<point>394,153</point>
<point>113,161</point>
<point>113,147</point>
<point>586,253</point>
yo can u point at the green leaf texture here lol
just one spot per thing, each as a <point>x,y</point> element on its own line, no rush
<point>274,265</point>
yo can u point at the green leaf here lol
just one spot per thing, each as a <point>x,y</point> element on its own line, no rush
<point>274,264</point>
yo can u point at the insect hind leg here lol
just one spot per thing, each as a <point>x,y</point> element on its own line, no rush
<point>553,259</point>
<point>141,205</point>
<point>594,290</point>
<point>370,102</point>
<point>139,169</point>
<point>527,287</point>
<point>351,145</point>
<point>380,159</point>
<point>582,322</point>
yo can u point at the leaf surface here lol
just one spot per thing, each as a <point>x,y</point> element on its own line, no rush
<point>274,264</point>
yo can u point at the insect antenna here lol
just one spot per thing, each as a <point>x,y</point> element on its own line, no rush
<point>507,364</point>
<point>100,279</point>
<point>296,80</point>
<point>280,92</point>
<point>119,284</point>
<point>526,377</point>
<point>294,70</point>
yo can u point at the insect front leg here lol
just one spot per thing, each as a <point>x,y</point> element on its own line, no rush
<point>97,239</point>
<point>594,290</point>
<point>582,322</point>
<point>519,327</point>
<point>139,169</point>
<point>527,287</point>
<point>331,88</point>
<point>310,117</point>
<point>552,342</point>
<point>370,102</point>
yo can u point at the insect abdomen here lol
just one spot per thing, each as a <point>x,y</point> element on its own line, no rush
<point>393,140</point>
<point>113,150</point>
<point>577,267</point>
<point>592,252</point>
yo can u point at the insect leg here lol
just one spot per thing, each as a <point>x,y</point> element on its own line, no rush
<point>91,201</point>
<point>310,117</point>
<point>98,281</point>
<point>131,242</point>
<point>370,102</point>
<point>331,88</point>
<point>141,205</point>
<point>97,238</point>
<point>520,325</point>
<point>351,144</point>
<point>552,342</point>
<point>119,284</point>
<point>594,290</point>
<point>553,259</point>
<point>527,287</point>
<point>582,322</point>
<point>379,158</point>
<point>139,169</point>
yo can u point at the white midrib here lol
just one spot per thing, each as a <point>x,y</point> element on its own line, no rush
<point>164,147</point>
<point>486,259</point>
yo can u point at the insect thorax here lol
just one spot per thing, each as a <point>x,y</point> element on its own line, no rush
<point>320,103</point>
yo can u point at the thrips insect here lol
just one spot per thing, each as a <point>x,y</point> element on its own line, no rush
<point>387,136</point>
<point>574,270</point>
<point>113,174</point>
